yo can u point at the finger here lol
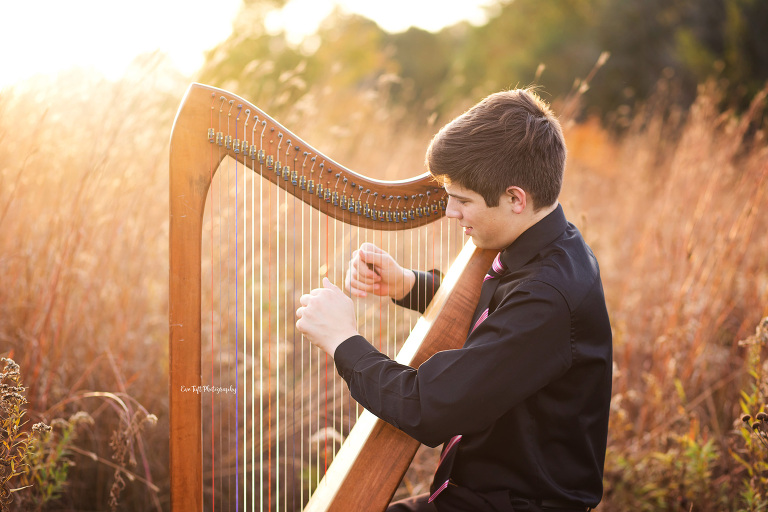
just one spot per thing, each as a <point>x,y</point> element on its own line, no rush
<point>365,285</point>
<point>366,265</point>
<point>374,260</point>
<point>358,289</point>
<point>365,274</point>
<point>369,247</point>
<point>352,285</point>
<point>328,285</point>
<point>362,266</point>
<point>302,329</point>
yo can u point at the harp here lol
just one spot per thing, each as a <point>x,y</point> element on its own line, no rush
<point>301,192</point>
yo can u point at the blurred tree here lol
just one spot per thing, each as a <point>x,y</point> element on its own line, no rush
<point>640,35</point>
<point>691,40</point>
<point>424,62</point>
<point>727,38</point>
<point>251,60</point>
<point>353,53</point>
<point>552,44</point>
<point>509,49</point>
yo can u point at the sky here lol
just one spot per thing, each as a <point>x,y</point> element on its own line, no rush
<point>48,36</point>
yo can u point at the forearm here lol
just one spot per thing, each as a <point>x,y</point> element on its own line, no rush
<point>385,388</point>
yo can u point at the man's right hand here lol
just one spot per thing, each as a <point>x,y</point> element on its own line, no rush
<point>373,270</point>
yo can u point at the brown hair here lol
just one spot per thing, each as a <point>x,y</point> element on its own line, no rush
<point>511,138</point>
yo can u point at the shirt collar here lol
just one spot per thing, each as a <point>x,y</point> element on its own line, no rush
<point>534,239</point>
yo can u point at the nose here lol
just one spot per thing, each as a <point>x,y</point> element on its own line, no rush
<point>451,209</point>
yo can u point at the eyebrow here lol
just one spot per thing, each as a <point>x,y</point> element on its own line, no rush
<point>456,196</point>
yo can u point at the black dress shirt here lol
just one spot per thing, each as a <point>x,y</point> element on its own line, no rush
<point>529,391</point>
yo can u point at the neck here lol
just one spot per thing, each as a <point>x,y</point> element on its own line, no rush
<point>537,216</point>
<point>520,223</point>
<point>533,218</point>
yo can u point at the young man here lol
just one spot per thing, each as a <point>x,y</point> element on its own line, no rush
<point>523,407</point>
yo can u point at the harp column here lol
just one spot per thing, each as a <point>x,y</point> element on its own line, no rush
<point>190,168</point>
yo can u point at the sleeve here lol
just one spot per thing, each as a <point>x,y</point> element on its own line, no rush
<point>521,347</point>
<point>423,290</point>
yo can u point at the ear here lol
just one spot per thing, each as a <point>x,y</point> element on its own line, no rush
<point>516,198</point>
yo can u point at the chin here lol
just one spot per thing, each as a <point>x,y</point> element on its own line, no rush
<point>480,244</point>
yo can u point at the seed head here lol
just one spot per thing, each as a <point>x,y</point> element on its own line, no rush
<point>41,427</point>
<point>59,423</point>
<point>151,420</point>
<point>81,417</point>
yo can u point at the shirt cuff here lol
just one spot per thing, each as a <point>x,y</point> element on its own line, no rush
<point>349,353</point>
<point>423,290</point>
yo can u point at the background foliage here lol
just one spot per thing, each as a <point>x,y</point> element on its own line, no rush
<point>524,42</point>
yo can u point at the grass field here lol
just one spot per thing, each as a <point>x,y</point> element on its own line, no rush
<point>675,208</point>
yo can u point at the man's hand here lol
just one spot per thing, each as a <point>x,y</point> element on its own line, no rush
<point>326,317</point>
<point>374,270</point>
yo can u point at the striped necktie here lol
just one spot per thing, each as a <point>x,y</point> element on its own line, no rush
<point>490,283</point>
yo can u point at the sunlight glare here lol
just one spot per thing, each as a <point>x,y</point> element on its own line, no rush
<point>300,18</point>
<point>48,36</point>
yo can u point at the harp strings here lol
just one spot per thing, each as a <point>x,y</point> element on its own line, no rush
<point>274,410</point>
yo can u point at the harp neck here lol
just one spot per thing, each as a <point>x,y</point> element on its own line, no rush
<point>213,124</point>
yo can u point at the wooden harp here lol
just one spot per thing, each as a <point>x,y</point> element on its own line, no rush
<point>214,129</point>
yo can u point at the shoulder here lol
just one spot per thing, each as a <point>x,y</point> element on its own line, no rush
<point>569,266</point>
<point>533,296</point>
<point>566,266</point>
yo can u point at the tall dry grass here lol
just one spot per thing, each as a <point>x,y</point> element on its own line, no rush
<point>674,209</point>
<point>83,245</point>
<point>676,212</point>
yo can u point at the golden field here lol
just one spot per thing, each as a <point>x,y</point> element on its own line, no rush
<point>674,204</point>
